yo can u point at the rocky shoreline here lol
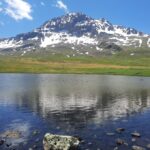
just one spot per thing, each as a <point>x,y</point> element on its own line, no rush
<point>65,142</point>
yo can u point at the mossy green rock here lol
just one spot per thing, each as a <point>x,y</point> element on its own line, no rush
<point>59,142</point>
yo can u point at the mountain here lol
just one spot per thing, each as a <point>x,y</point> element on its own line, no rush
<point>76,31</point>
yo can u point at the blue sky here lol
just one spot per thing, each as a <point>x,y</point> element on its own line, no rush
<point>19,16</point>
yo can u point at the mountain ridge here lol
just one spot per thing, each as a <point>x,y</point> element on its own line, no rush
<point>77,30</point>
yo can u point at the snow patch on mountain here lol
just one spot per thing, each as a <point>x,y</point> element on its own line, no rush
<point>34,39</point>
<point>140,42</point>
<point>64,38</point>
<point>127,32</point>
<point>10,43</point>
<point>148,42</point>
<point>120,41</point>
<point>126,41</point>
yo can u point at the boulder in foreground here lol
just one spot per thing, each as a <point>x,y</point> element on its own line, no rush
<point>60,142</point>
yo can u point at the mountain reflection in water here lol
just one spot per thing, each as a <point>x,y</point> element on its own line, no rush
<point>76,98</point>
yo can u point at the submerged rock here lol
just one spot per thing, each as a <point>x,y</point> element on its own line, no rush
<point>35,132</point>
<point>137,148</point>
<point>8,144</point>
<point>59,142</point>
<point>148,146</point>
<point>2,142</point>
<point>136,134</point>
<point>120,141</point>
<point>133,140</point>
<point>120,130</point>
<point>34,146</point>
<point>11,134</point>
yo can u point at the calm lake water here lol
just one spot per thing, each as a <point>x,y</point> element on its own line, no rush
<point>88,106</point>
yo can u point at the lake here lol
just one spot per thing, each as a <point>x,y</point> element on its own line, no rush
<point>89,106</point>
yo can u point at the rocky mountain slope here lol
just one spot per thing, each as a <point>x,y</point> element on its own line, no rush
<point>77,31</point>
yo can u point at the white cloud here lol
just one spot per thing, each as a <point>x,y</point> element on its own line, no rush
<point>42,3</point>
<point>61,5</point>
<point>18,9</point>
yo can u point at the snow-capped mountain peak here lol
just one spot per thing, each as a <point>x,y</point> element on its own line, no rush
<point>76,29</point>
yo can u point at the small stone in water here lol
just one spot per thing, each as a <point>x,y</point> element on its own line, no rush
<point>133,139</point>
<point>136,134</point>
<point>12,134</point>
<point>8,144</point>
<point>119,142</point>
<point>89,143</point>
<point>34,146</point>
<point>148,146</point>
<point>120,130</point>
<point>37,140</point>
<point>126,144</point>
<point>137,148</point>
<point>35,132</point>
<point>2,142</point>
<point>116,148</point>
<point>59,142</point>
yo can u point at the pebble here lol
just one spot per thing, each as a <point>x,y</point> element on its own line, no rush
<point>2,142</point>
<point>89,143</point>
<point>133,139</point>
<point>35,132</point>
<point>148,146</point>
<point>8,144</point>
<point>136,134</point>
<point>137,148</point>
<point>120,141</point>
<point>126,144</point>
<point>37,140</point>
<point>116,148</point>
<point>120,130</point>
<point>34,146</point>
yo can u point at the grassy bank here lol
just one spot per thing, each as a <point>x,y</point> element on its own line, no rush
<point>120,64</point>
